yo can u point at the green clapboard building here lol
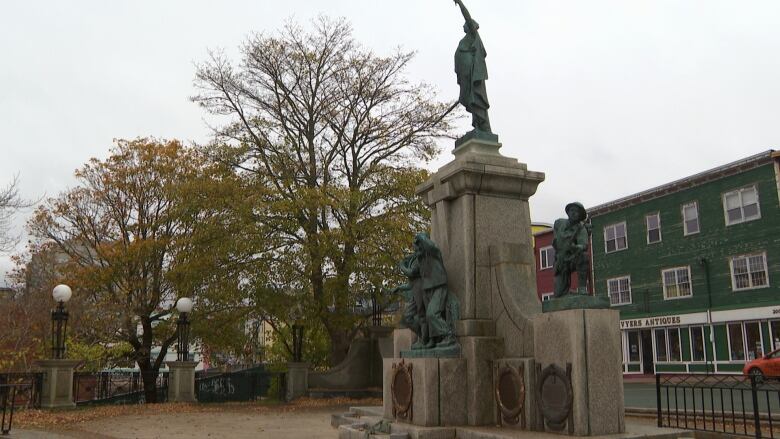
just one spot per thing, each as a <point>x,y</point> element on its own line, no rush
<point>694,268</point>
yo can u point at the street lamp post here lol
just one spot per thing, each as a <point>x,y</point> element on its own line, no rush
<point>181,377</point>
<point>57,387</point>
<point>184,306</point>
<point>297,333</point>
<point>59,321</point>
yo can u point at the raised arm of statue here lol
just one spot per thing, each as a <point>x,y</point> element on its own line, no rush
<point>465,12</point>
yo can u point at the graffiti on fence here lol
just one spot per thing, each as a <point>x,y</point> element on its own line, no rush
<point>221,386</point>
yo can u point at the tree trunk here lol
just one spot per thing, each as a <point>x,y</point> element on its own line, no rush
<point>339,345</point>
<point>149,379</point>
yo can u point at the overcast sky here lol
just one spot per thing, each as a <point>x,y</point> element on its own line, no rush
<point>607,97</point>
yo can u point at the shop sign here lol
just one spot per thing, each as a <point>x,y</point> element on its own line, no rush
<point>673,320</point>
<point>732,315</point>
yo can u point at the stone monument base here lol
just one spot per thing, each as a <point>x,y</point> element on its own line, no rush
<point>181,381</point>
<point>57,389</point>
<point>576,301</point>
<point>443,352</point>
<point>579,381</point>
<point>297,384</point>
<point>428,392</point>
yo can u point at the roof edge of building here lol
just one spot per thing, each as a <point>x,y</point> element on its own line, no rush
<point>741,165</point>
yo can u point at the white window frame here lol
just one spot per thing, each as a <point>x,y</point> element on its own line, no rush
<point>703,343</point>
<point>745,337</point>
<point>546,251</point>
<point>663,281</point>
<point>741,206</point>
<point>609,293</point>
<point>685,222</point>
<point>647,228</point>
<point>547,296</point>
<point>728,341</point>
<point>669,345</point>
<point>772,335</point>
<point>627,350</point>
<point>734,280</point>
<point>625,229</point>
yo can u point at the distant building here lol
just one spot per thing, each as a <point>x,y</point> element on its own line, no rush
<point>694,268</point>
<point>6,293</point>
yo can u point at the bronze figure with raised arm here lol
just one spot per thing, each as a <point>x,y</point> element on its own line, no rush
<point>471,69</point>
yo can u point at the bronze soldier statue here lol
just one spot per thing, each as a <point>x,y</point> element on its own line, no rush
<point>430,310</point>
<point>571,237</point>
<point>471,70</point>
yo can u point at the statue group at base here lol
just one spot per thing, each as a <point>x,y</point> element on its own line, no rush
<point>431,311</point>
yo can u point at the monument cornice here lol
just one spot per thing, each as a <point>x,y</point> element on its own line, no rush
<point>474,173</point>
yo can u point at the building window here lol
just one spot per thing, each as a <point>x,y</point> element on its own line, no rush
<point>753,340</point>
<point>690,213</point>
<point>619,290</point>
<point>677,282</point>
<point>615,237</point>
<point>748,272</point>
<point>697,343</point>
<point>633,346</point>
<point>546,258</point>
<point>673,335</point>
<point>547,296</point>
<point>653,223</point>
<point>774,328</point>
<point>660,345</point>
<point>736,343</point>
<point>741,205</point>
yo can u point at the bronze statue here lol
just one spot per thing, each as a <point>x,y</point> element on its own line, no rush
<point>471,70</point>
<point>430,310</point>
<point>570,241</point>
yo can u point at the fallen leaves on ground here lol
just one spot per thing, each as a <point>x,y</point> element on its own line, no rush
<point>72,417</point>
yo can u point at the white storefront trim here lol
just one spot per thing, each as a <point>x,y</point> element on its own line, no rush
<point>659,321</point>
<point>698,318</point>
<point>732,315</point>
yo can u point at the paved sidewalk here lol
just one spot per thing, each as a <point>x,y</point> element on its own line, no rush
<point>239,423</point>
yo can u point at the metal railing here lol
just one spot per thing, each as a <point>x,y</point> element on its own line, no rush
<point>244,385</point>
<point>115,387</point>
<point>732,404</point>
<point>29,394</point>
<point>8,394</point>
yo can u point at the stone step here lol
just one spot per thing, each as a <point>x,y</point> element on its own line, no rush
<point>358,431</point>
<point>368,410</point>
<point>372,392</point>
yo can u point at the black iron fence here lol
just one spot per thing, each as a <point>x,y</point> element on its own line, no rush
<point>8,394</point>
<point>244,385</point>
<point>27,393</point>
<point>115,387</point>
<point>733,404</point>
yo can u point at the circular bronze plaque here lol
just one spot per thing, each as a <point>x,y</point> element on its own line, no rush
<point>401,389</point>
<point>510,393</point>
<point>556,396</point>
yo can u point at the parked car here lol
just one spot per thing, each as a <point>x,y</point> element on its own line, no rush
<point>765,366</point>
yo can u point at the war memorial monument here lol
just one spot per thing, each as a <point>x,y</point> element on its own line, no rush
<point>478,348</point>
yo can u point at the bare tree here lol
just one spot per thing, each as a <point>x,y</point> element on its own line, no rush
<point>10,203</point>
<point>333,136</point>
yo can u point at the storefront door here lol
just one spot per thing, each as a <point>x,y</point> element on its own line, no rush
<point>647,351</point>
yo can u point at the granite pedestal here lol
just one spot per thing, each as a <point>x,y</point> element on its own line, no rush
<point>297,384</point>
<point>181,381</point>
<point>481,222</point>
<point>589,341</point>
<point>438,396</point>
<point>57,389</point>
